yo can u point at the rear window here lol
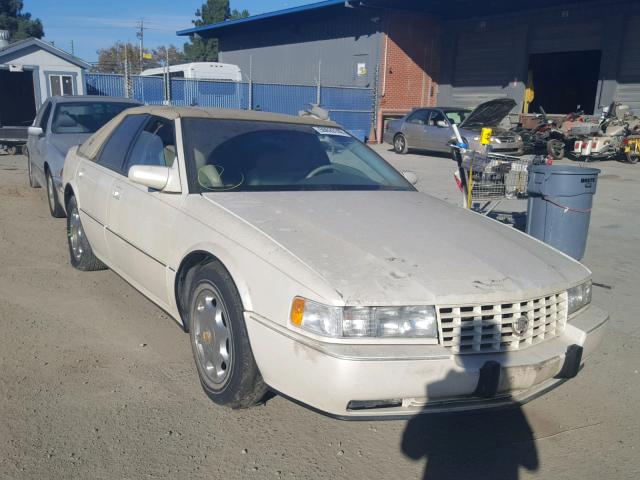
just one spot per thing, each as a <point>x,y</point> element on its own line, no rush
<point>84,117</point>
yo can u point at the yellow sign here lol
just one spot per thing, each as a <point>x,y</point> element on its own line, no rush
<point>147,56</point>
<point>485,136</point>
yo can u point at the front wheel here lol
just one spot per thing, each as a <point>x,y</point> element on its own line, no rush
<point>400,144</point>
<point>80,252</point>
<point>632,157</point>
<point>219,340</point>
<point>555,148</point>
<point>32,180</point>
<point>55,208</point>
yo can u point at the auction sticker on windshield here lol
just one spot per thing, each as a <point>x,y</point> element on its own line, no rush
<point>331,131</point>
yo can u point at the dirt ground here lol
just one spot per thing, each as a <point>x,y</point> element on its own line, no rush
<point>96,382</point>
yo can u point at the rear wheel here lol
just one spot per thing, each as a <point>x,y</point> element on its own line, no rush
<point>55,208</point>
<point>632,157</point>
<point>80,251</point>
<point>555,148</point>
<point>224,360</point>
<point>400,144</point>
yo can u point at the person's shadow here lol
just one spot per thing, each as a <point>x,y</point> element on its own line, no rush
<point>490,444</point>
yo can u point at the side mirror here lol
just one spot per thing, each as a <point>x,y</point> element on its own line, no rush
<point>442,124</point>
<point>36,131</point>
<point>411,177</point>
<point>164,179</point>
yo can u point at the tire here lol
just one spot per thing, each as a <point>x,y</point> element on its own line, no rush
<point>631,157</point>
<point>555,148</point>
<point>11,150</point>
<point>219,341</point>
<point>32,180</point>
<point>400,144</point>
<point>80,252</point>
<point>55,208</point>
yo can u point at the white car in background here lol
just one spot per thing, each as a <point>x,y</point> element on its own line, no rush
<point>300,261</point>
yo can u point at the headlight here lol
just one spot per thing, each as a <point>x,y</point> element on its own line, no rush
<point>579,297</point>
<point>364,322</point>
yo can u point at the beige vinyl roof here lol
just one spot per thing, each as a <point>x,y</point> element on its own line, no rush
<point>91,147</point>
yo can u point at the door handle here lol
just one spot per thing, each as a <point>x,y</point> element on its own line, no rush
<point>116,193</point>
<point>80,173</point>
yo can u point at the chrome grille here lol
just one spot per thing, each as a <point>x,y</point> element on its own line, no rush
<point>489,328</point>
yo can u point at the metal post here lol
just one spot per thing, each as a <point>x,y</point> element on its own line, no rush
<point>250,82</point>
<point>319,92</point>
<point>127,83</point>
<point>168,77</point>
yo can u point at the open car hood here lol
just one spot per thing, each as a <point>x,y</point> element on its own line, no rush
<point>489,114</point>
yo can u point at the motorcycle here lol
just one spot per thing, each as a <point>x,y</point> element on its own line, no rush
<point>617,134</point>
<point>546,137</point>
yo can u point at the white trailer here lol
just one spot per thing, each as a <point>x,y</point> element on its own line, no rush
<point>198,71</point>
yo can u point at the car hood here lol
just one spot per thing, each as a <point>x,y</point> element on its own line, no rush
<point>390,248</point>
<point>488,114</point>
<point>64,141</point>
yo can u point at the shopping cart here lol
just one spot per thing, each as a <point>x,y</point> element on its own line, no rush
<point>486,179</point>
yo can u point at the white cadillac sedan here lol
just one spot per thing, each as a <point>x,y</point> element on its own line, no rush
<point>300,261</point>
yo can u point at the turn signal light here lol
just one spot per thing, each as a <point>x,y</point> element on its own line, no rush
<point>297,311</point>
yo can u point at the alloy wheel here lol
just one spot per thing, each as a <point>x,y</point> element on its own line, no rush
<point>212,336</point>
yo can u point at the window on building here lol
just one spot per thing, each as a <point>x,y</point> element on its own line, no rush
<point>61,85</point>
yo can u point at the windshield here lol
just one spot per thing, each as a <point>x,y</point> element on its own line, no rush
<point>240,155</point>
<point>457,116</point>
<point>85,117</point>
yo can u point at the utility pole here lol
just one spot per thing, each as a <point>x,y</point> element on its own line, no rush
<point>127,79</point>
<point>140,35</point>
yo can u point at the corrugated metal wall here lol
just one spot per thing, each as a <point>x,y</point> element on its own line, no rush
<point>628,90</point>
<point>296,51</point>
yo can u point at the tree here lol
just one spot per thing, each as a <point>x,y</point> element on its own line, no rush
<point>111,60</point>
<point>19,23</point>
<point>213,11</point>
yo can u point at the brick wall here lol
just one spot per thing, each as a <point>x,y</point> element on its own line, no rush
<point>409,64</point>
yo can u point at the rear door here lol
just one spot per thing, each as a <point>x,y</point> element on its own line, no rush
<point>141,221</point>
<point>94,179</point>
<point>413,128</point>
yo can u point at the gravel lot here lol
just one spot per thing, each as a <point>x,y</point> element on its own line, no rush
<point>96,382</point>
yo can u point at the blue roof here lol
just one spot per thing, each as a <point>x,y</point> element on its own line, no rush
<point>263,16</point>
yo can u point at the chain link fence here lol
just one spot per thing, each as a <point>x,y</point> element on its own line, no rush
<point>351,107</point>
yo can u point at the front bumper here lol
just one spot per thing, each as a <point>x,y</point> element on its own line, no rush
<point>364,381</point>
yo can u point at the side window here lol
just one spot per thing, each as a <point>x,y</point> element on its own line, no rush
<point>115,149</point>
<point>44,120</point>
<point>436,116</point>
<point>155,146</point>
<point>419,117</point>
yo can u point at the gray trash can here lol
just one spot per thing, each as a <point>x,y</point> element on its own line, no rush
<point>559,209</point>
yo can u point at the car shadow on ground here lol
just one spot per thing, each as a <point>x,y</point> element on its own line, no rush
<point>480,445</point>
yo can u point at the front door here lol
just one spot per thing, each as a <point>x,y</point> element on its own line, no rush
<point>140,227</point>
<point>95,178</point>
<point>438,132</point>
<point>35,143</point>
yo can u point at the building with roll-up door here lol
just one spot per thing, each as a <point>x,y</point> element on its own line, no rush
<point>568,55</point>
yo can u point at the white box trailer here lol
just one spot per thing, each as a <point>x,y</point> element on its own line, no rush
<point>198,71</point>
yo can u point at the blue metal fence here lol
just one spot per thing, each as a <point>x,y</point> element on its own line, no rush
<point>348,106</point>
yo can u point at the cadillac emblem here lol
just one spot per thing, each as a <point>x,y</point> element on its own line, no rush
<point>520,326</point>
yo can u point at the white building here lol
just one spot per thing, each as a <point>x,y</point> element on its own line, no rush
<point>32,70</point>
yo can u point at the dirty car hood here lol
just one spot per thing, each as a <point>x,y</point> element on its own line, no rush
<point>488,114</point>
<point>391,248</point>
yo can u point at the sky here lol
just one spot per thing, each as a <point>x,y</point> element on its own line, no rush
<point>93,24</point>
